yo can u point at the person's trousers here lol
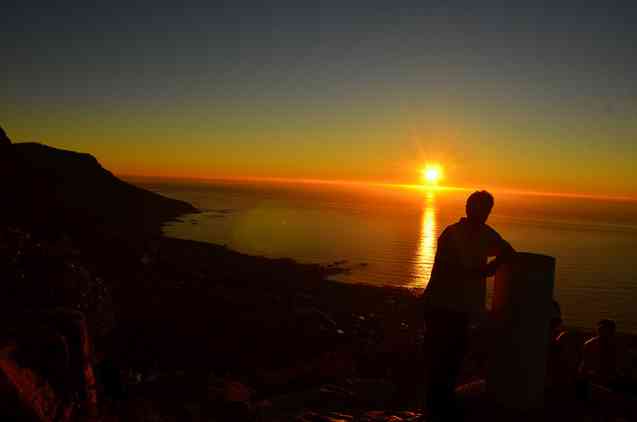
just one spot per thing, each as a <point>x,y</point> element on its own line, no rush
<point>446,334</point>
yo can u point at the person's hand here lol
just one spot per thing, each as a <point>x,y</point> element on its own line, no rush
<point>491,268</point>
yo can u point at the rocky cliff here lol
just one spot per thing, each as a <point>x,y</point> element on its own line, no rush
<point>48,183</point>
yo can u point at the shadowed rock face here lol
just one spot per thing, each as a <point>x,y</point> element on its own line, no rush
<point>4,139</point>
<point>56,183</point>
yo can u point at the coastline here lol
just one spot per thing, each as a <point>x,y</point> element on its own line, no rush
<point>181,320</point>
<point>180,317</point>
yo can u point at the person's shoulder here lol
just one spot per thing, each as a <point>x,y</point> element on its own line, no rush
<point>591,342</point>
<point>566,337</point>
<point>568,344</point>
<point>449,229</point>
<point>491,235</point>
<point>490,231</point>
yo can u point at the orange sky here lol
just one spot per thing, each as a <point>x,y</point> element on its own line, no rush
<point>534,98</point>
<point>392,151</point>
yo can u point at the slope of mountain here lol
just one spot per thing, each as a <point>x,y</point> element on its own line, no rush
<point>75,185</point>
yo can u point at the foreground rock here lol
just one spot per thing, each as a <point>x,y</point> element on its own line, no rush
<point>46,371</point>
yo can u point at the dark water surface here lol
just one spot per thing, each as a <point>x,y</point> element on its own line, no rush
<point>388,235</point>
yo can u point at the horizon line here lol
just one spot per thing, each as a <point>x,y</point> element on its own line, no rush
<point>415,186</point>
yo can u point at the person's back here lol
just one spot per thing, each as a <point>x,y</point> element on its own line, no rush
<point>458,278</point>
<point>599,363</point>
<point>563,359</point>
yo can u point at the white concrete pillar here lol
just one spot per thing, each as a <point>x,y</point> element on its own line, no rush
<point>522,304</point>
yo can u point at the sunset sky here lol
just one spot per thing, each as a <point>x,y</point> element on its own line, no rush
<point>517,97</point>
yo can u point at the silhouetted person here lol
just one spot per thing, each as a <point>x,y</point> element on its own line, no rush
<point>562,361</point>
<point>456,294</point>
<point>600,358</point>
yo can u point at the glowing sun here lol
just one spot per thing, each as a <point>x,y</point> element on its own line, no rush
<point>432,174</point>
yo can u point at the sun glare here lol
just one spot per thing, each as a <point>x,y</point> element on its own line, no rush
<point>432,174</point>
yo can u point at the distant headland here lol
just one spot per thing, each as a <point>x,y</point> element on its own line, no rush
<point>54,184</point>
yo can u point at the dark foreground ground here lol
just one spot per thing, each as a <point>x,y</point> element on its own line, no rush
<point>184,330</point>
<point>193,327</point>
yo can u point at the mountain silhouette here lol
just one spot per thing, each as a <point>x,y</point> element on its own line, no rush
<point>47,184</point>
<point>4,139</point>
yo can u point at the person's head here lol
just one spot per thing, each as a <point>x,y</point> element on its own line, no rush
<point>606,328</point>
<point>479,205</point>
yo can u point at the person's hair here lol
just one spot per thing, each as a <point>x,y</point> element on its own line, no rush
<point>607,323</point>
<point>479,201</point>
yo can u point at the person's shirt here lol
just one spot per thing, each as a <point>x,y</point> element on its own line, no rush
<point>457,282</point>
<point>562,363</point>
<point>600,360</point>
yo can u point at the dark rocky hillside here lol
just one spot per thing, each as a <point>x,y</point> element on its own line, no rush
<point>68,185</point>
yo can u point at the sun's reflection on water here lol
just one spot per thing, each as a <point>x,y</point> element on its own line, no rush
<point>426,251</point>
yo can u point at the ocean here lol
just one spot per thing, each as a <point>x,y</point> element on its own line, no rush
<point>387,235</point>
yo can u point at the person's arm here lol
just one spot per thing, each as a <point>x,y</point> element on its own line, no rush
<point>501,249</point>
